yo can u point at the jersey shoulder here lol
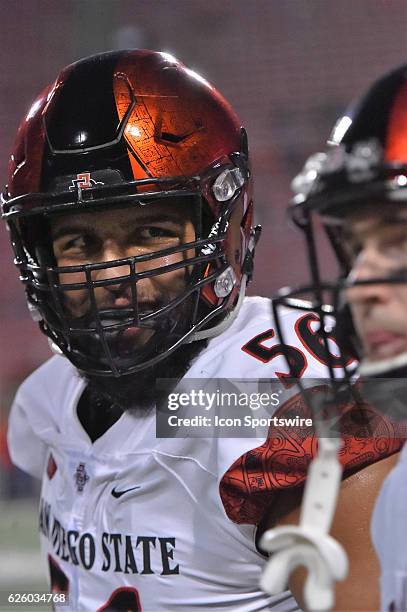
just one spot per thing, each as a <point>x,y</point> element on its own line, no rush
<point>52,385</point>
<point>257,311</point>
<point>257,314</point>
<point>50,377</point>
<point>251,346</point>
<point>38,411</point>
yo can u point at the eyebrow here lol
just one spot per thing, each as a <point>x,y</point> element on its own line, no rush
<point>74,227</point>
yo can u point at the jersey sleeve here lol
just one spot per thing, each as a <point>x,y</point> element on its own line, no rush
<point>252,484</point>
<point>388,529</point>
<point>27,450</point>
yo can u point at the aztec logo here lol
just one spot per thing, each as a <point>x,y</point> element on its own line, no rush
<point>83,181</point>
<point>81,477</point>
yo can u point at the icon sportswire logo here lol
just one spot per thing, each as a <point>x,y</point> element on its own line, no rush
<point>118,494</point>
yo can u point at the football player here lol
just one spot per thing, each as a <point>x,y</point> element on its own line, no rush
<point>130,209</point>
<point>358,188</point>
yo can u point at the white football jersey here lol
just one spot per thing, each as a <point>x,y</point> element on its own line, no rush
<point>134,522</point>
<point>389,534</point>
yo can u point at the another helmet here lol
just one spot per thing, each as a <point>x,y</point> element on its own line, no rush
<point>364,165</point>
<point>366,158</point>
<point>120,129</point>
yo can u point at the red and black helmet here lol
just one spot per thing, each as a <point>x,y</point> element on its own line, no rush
<point>363,170</point>
<point>366,155</point>
<point>126,129</point>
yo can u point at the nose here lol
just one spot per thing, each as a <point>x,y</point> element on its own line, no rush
<point>119,291</point>
<point>112,252</point>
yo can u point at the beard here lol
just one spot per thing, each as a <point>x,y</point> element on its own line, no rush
<point>107,397</point>
<point>139,391</point>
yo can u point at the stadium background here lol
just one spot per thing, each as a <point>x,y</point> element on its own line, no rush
<point>289,68</point>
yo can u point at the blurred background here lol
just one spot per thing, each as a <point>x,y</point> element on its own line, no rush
<point>289,68</point>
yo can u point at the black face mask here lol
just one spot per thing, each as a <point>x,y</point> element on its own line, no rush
<point>99,342</point>
<point>117,339</point>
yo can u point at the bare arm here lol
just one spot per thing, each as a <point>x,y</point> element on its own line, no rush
<point>351,527</point>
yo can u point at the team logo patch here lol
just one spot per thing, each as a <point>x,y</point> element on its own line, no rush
<point>83,181</point>
<point>81,477</point>
<point>51,467</point>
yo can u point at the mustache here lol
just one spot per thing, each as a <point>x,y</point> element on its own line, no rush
<point>116,315</point>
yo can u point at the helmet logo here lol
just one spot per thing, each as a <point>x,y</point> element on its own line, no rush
<point>360,164</point>
<point>83,181</point>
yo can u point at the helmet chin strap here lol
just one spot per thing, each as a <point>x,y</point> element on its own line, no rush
<point>309,543</point>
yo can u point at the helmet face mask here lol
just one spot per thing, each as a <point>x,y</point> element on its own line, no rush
<point>137,161</point>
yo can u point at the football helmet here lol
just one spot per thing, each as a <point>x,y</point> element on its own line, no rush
<point>363,171</point>
<point>123,129</point>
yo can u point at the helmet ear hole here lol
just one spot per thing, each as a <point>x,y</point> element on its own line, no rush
<point>36,236</point>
